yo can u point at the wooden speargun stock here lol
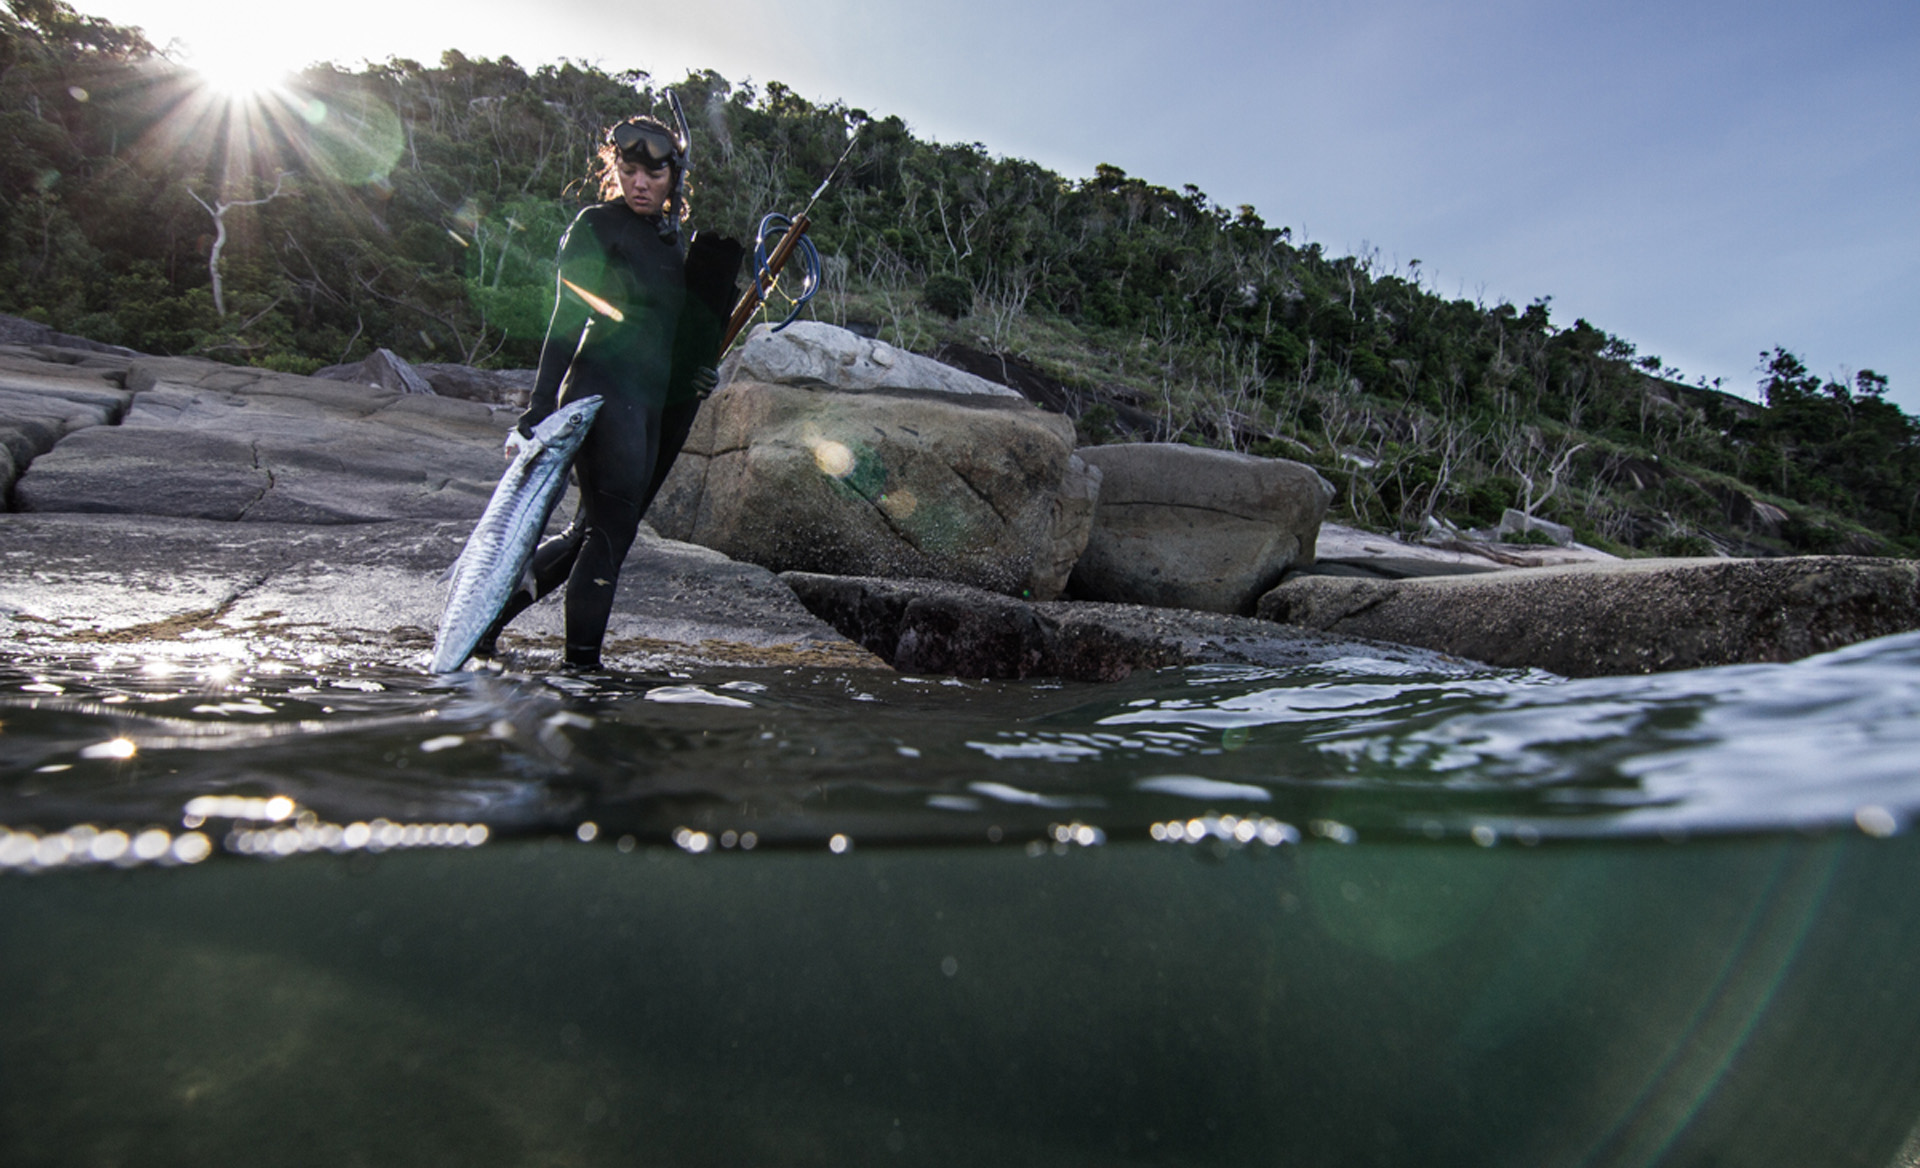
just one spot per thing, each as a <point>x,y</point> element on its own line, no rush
<point>767,273</point>
<point>763,280</point>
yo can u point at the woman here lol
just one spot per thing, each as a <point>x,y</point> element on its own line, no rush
<point>625,328</point>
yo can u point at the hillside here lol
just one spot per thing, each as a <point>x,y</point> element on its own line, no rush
<point>417,207</point>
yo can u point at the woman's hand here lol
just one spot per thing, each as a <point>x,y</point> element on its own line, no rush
<point>704,379</point>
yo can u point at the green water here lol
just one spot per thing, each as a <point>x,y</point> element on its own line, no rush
<point>1735,1002</point>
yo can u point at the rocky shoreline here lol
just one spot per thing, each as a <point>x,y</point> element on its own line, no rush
<point>176,504</point>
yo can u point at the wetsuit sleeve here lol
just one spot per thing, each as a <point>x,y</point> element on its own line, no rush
<point>712,272</point>
<point>583,261</point>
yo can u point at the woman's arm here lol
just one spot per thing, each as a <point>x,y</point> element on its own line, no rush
<point>583,262</point>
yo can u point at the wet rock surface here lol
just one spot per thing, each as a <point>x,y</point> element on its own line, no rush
<point>366,593</point>
<point>1635,616</point>
<point>932,626</point>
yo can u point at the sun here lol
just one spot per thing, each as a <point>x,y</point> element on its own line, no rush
<point>239,71</point>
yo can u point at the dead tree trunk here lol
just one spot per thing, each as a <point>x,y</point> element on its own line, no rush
<point>219,212</point>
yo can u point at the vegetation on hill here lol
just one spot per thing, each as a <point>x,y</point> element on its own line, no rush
<point>418,208</point>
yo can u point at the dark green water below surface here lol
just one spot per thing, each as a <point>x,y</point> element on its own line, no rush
<point>1732,1002</point>
<point>268,912</point>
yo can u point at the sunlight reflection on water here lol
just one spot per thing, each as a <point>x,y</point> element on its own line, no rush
<point>802,757</point>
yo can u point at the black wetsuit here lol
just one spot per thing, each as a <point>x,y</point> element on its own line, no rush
<point>642,363</point>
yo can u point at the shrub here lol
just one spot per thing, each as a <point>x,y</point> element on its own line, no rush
<point>1486,500</point>
<point>950,296</point>
<point>1096,424</point>
<point>1680,543</point>
<point>1805,535</point>
<point>289,363</point>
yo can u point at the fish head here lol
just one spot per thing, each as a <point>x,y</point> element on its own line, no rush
<point>570,420</point>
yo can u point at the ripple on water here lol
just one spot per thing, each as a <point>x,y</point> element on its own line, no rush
<point>276,760</point>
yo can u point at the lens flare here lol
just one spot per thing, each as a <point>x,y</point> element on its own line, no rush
<point>237,72</point>
<point>833,458</point>
<point>603,307</point>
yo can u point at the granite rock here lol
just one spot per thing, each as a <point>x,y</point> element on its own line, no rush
<point>1633,616</point>
<point>203,440</point>
<point>938,627</point>
<point>820,356</point>
<point>983,490</point>
<point>1184,527</point>
<point>382,369</point>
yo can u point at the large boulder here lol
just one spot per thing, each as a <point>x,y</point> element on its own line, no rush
<point>1183,527</point>
<point>821,356</point>
<point>1633,616</point>
<point>503,387</point>
<point>1104,411</point>
<point>385,369</point>
<point>979,488</point>
<point>209,441</point>
<point>382,369</point>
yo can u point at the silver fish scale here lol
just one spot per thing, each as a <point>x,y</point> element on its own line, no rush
<point>494,561</point>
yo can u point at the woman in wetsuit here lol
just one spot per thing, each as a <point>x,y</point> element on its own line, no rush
<point>625,328</point>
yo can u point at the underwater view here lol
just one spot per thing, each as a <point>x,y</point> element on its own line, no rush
<point>284,912</point>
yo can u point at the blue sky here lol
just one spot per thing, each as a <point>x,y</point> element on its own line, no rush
<point>1704,179</point>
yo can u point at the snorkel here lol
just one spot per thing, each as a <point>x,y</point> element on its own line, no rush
<point>682,161</point>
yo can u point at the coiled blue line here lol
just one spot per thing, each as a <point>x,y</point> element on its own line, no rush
<point>772,227</point>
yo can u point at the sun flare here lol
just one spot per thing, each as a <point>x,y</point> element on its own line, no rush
<point>237,72</point>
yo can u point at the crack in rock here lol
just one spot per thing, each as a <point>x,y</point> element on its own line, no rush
<point>178,625</point>
<point>982,496</point>
<point>251,503</point>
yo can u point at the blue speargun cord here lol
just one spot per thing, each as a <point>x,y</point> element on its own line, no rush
<point>772,227</point>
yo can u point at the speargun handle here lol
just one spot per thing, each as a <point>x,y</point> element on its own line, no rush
<point>763,280</point>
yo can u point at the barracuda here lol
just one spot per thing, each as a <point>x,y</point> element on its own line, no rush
<point>494,562</point>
